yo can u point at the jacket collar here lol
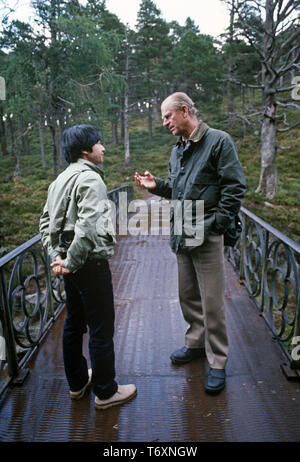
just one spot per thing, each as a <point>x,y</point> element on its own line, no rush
<point>197,133</point>
<point>97,168</point>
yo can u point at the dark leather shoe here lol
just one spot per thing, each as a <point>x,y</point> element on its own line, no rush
<point>185,355</point>
<point>215,381</point>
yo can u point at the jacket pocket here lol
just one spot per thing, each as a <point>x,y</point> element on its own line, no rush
<point>205,178</point>
<point>203,185</point>
<point>197,190</point>
<point>207,189</point>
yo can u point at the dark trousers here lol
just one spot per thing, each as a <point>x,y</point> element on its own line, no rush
<point>90,303</point>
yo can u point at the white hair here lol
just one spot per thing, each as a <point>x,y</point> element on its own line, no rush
<point>179,99</point>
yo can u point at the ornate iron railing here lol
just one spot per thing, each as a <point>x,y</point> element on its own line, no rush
<point>268,263</point>
<point>31,298</point>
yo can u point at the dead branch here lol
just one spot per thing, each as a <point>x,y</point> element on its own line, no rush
<point>293,105</point>
<point>282,130</point>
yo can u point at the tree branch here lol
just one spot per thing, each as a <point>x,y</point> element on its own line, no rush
<point>293,105</point>
<point>246,25</point>
<point>283,148</point>
<point>282,130</point>
<point>281,16</point>
<point>244,118</point>
<point>284,89</point>
<point>284,69</point>
<point>285,44</point>
<point>26,131</point>
<point>237,82</point>
<point>65,101</point>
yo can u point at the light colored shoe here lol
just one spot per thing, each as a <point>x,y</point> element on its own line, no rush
<point>79,394</point>
<point>122,395</point>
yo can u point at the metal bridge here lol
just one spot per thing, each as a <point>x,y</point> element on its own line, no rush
<point>261,401</point>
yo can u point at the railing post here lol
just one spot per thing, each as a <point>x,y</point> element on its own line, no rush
<point>242,246</point>
<point>295,358</point>
<point>263,270</point>
<point>7,324</point>
<point>48,284</point>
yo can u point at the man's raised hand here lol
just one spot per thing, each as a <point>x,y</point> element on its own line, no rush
<point>147,181</point>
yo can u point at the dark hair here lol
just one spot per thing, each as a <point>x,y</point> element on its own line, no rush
<point>76,139</point>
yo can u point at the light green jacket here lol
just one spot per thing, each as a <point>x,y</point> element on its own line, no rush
<point>89,216</point>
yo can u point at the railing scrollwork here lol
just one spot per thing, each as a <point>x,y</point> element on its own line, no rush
<point>269,265</point>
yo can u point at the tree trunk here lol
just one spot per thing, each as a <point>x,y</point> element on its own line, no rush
<point>25,143</point>
<point>114,132</point>
<point>126,112</point>
<point>253,96</point>
<point>268,174</point>
<point>230,100</point>
<point>230,97</point>
<point>156,109</point>
<point>122,121</point>
<point>24,137</point>
<point>3,134</point>
<point>150,137</point>
<point>126,131</point>
<point>52,128</point>
<point>59,131</point>
<point>42,143</point>
<point>243,109</point>
<point>14,148</point>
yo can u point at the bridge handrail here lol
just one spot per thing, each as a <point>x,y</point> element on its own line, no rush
<point>268,263</point>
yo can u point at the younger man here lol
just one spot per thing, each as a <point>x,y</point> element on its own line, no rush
<point>77,232</point>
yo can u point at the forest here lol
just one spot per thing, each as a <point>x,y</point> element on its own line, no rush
<point>80,64</point>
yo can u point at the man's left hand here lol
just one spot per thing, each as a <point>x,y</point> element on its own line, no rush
<point>58,268</point>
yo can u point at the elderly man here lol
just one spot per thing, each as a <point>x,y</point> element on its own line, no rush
<point>203,166</point>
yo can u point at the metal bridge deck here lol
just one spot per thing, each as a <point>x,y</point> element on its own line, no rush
<point>257,405</point>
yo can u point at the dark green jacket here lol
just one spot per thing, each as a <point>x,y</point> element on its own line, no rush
<point>206,168</point>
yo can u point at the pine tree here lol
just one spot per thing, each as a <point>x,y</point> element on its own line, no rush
<point>152,45</point>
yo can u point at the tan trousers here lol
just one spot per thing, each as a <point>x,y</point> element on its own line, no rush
<point>201,293</point>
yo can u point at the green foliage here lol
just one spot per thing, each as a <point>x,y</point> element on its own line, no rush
<point>151,45</point>
<point>246,62</point>
<point>196,65</point>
